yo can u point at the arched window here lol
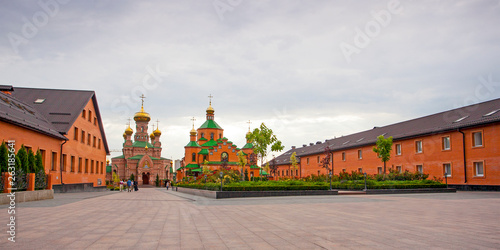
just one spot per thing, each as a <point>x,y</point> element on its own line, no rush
<point>202,135</point>
<point>220,136</point>
<point>194,157</point>
<point>211,136</point>
<point>142,129</point>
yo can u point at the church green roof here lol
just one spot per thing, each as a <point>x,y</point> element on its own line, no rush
<point>210,143</point>
<point>191,165</point>
<point>142,144</point>
<point>193,144</point>
<point>203,152</point>
<point>197,170</point>
<point>138,157</point>
<point>108,169</point>
<point>203,139</point>
<point>119,157</point>
<point>210,124</point>
<point>248,145</point>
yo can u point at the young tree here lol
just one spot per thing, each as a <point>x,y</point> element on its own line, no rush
<point>31,162</point>
<point>272,167</point>
<point>262,138</point>
<point>157,180</point>
<point>383,149</point>
<point>4,158</point>
<point>23,158</point>
<point>132,177</point>
<point>293,162</point>
<point>205,168</point>
<point>39,162</point>
<point>242,161</point>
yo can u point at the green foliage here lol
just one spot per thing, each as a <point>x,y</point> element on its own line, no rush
<point>31,162</point>
<point>157,181</point>
<point>383,149</point>
<point>205,169</point>
<point>116,180</point>
<point>132,177</point>
<point>262,138</point>
<point>293,162</point>
<point>39,162</point>
<point>18,163</point>
<point>4,158</point>
<point>23,158</point>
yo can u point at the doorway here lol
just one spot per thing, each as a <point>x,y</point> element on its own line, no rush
<point>145,178</point>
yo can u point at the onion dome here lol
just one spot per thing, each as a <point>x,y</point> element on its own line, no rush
<point>129,131</point>
<point>192,132</point>
<point>124,135</point>
<point>142,116</point>
<point>146,147</point>
<point>152,136</point>
<point>210,110</point>
<point>157,132</point>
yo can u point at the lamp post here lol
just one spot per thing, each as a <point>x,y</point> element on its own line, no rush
<point>330,176</point>
<point>175,181</point>
<point>365,181</point>
<point>446,178</point>
<point>205,178</point>
<point>251,176</point>
<point>221,175</point>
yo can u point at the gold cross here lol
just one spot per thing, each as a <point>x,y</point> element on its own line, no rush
<point>157,124</point>
<point>249,122</point>
<point>142,97</point>
<point>193,119</point>
<point>210,97</point>
<point>129,121</point>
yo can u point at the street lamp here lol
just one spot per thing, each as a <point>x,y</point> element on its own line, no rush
<point>446,178</point>
<point>365,181</point>
<point>330,175</point>
<point>175,181</point>
<point>221,175</point>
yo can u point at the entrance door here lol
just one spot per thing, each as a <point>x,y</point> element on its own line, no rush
<point>145,179</point>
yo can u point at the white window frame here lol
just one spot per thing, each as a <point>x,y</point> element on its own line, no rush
<point>360,154</point>
<point>476,174</point>
<point>474,145</point>
<point>419,170</point>
<point>399,169</point>
<point>417,149</point>
<point>398,149</point>
<point>447,173</point>
<point>443,142</point>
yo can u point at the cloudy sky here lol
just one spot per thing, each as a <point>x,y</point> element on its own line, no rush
<point>310,70</point>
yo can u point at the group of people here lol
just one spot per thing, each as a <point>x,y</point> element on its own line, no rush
<point>130,184</point>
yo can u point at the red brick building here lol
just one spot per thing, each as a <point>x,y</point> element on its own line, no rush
<point>463,142</point>
<point>65,125</point>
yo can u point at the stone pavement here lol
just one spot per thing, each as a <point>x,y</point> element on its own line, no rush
<point>160,219</point>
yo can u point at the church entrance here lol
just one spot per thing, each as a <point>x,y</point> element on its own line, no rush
<point>145,178</point>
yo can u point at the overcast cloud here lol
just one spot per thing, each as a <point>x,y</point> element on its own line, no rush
<point>278,62</point>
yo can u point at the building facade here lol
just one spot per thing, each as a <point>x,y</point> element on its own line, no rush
<point>65,125</point>
<point>208,147</point>
<point>462,143</point>
<point>141,153</point>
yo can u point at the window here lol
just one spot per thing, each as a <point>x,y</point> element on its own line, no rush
<point>420,169</point>
<point>41,100</point>
<point>88,139</point>
<point>204,158</point>
<point>398,149</point>
<point>83,137</point>
<point>42,152</point>
<point>477,138</point>
<point>360,154</point>
<point>102,167</point>
<point>287,172</point>
<point>278,173</point>
<point>418,146</point>
<point>211,136</point>
<point>54,161</point>
<point>91,166</point>
<point>202,135</point>
<point>307,161</point>
<point>72,164</point>
<point>90,115</point>
<point>75,136</point>
<point>79,164</point>
<point>360,170</point>
<point>84,113</point>
<point>446,143</point>
<point>296,172</point>
<point>193,157</point>
<point>86,166</point>
<point>95,121</point>
<point>447,169</point>
<point>379,170</point>
<point>99,144</point>
<point>63,167</point>
<point>399,169</point>
<point>343,156</point>
<point>319,173</point>
<point>478,169</point>
<point>96,167</point>
<point>318,160</point>
<point>94,142</point>
<point>220,136</point>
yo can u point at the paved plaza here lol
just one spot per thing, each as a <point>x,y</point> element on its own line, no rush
<point>160,219</point>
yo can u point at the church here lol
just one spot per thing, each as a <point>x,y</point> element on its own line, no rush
<point>141,153</point>
<point>208,147</point>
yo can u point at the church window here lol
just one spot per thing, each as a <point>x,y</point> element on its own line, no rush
<point>211,136</point>
<point>233,150</point>
<point>212,153</point>
<point>193,157</point>
<point>204,158</point>
<point>142,129</point>
<point>220,146</point>
<point>220,136</point>
<point>202,135</point>
<point>215,149</point>
<point>224,143</point>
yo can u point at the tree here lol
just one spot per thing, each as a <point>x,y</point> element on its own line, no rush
<point>326,160</point>
<point>293,162</point>
<point>31,162</point>
<point>4,158</point>
<point>157,180</point>
<point>39,162</point>
<point>383,149</point>
<point>242,161</point>
<point>205,168</point>
<point>272,167</point>
<point>132,177</point>
<point>262,138</point>
<point>116,180</point>
<point>23,158</point>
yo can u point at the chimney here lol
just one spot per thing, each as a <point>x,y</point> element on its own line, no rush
<point>318,142</point>
<point>6,89</point>
<point>304,145</point>
<point>310,144</point>
<point>293,147</point>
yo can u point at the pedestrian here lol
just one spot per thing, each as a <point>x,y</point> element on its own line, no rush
<point>132,186</point>
<point>168,184</point>
<point>121,185</point>
<point>135,186</point>
<point>129,183</point>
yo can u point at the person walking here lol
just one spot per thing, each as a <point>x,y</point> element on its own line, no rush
<point>121,185</point>
<point>132,186</point>
<point>135,186</point>
<point>129,183</point>
<point>168,184</point>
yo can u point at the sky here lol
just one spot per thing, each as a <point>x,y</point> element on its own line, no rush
<point>309,70</point>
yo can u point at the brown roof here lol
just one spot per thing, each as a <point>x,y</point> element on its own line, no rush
<point>460,118</point>
<point>19,113</point>
<point>60,107</point>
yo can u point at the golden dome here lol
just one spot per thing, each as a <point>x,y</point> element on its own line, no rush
<point>152,136</point>
<point>146,147</point>
<point>210,110</point>
<point>142,116</point>
<point>192,132</point>
<point>129,131</point>
<point>124,135</point>
<point>157,132</point>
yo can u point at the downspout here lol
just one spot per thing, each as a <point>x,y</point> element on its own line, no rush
<point>465,159</point>
<point>62,162</point>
